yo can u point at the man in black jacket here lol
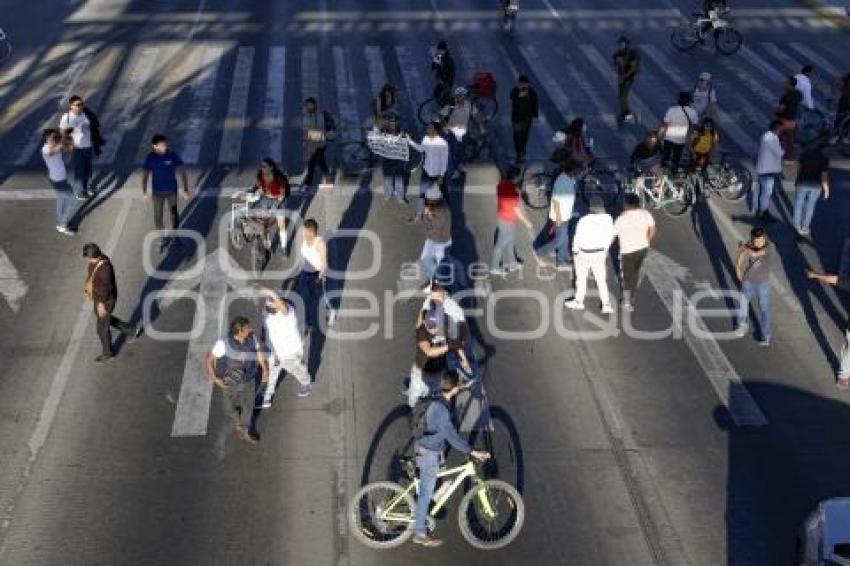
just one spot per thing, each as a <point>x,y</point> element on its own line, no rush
<point>524,110</point>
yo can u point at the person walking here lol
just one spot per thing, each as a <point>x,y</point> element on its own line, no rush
<point>675,130</point>
<point>429,449</point>
<point>283,343</point>
<point>437,220</point>
<point>101,289</point>
<point>769,171</point>
<point>524,110</point>
<point>52,152</point>
<point>508,211</point>
<point>812,183</point>
<point>593,237</point>
<point>803,81</point>
<point>84,128</point>
<point>788,112</point>
<point>841,282</point>
<point>627,64</point>
<point>753,268</point>
<point>311,280</point>
<point>162,166</point>
<point>233,365</point>
<point>315,139</point>
<point>560,212</point>
<point>435,163</point>
<point>443,67</point>
<point>634,229</point>
<point>704,97</point>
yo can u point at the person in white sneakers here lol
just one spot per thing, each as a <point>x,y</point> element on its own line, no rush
<point>593,237</point>
<point>437,220</point>
<point>52,150</point>
<point>283,343</point>
<point>435,163</point>
<point>769,170</point>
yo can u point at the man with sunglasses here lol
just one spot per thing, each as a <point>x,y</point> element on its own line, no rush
<point>82,126</point>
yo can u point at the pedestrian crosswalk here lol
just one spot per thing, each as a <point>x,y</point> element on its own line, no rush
<point>231,105</point>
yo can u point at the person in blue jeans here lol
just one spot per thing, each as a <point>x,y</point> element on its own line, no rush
<point>812,182</point>
<point>52,152</point>
<point>753,268</point>
<point>560,212</point>
<point>395,171</point>
<point>162,166</point>
<point>769,170</point>
<point>429,451</point>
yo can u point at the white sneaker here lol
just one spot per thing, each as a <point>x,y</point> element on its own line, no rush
<point>305,390</point>
<point>331,317</point>
<point>741,330</point>
<point>266,403</point>
<point>66,230</point>
<point>498,272</point>
<point>607,309</point>
<point>629,118</point>
<point>574,305</point>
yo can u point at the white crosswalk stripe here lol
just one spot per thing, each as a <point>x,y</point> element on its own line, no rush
<point>235,122</point>
<point>416,91</point>
<point>346,96</point>
<point>272,122</point>
<point>207,65</point>
<point>375,67</point>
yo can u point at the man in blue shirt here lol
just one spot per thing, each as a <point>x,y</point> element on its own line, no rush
<point>429,453</point>
<point>162,166</point>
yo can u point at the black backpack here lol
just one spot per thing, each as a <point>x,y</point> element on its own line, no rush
<point>419,414</point>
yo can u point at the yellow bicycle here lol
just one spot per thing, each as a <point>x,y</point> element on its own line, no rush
<point>490,516</point>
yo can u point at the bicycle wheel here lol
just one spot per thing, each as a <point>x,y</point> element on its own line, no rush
<point>491,515</point>
<point>237,236</point>
<point>536,187</point>
<point>603,186</point>
<point>429,111</point>
<point>486,105</point>
<point>677,197</point>
<point>369,503</point>
<point>727,40</point>
<point>356,158</point>
<point>684,37</point>
<point>5,49</point>
<point>733,180</point>
<point>259,256</point>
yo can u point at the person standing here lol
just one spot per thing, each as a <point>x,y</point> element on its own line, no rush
<point>769,171</point>
<point>443,67</point>
<point>627,64</point>
<point>437,220</point>
<point>100,288</point>
<point>457,127</point>
<point>394,171</point>
<point>788,111</point>
<point>508,211</point>
<point>315,138</point>
<point>233,365</point>
<point>593,237</point>
<point>283,343</point>
<point>560,212</point>
<point>52,150</point>
<point>753,267</point>
<point>841,282</point>
<point>676,130</point>
<point>634,229</point>
<point>429,450</point>
<point>803,81</point>
<point>84,129</point>
<point>524,110</point>
<point>704,97</point>
<point>311,281</point>
<point>435,163</point>
<point>163,166</point>
<point>812,183</point>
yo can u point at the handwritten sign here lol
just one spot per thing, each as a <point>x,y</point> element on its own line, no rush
<point>388,145</point>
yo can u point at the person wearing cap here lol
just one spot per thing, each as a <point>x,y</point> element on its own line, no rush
<point>435,152</point>
<point>704,97</point>
<point>560,212</point>
<point>627,64</point>
<point>524,110</point>
<point>676,129</point>
<point>282,342</point>
<point>437,220</point>
<point>593,237</point>
<point>634,230</point>
<point>100,288</point>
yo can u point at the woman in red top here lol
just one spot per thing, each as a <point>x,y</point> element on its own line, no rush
<point>508,211</point>
<point>273,185</point>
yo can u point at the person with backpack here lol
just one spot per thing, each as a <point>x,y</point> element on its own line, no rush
<point>432,429</point>
<point>704,97</point>
<point>675,130</point>
<point>627,64</point>
<point>84,128</point>
<point>788,111</point>
<point>316,135</point>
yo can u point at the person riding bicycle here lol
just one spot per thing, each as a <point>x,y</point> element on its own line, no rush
<point>272,185</point>
<point>711,10</point>
<point>645,159</point>
<point>429,450</point>
<point>443,67</point>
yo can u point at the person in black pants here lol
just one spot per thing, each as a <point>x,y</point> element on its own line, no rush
<point>101,289</point>
<point>524,110</point>
<point>315,137</point>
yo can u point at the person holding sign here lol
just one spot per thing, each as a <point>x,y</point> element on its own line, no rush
<point>394,170</point>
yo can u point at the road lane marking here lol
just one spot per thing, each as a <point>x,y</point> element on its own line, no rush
<point>816,59</point>
<point>198,117</point>
<point>416,91</point>
<point>12,286</point>
<point>775,78</point>
<point>376,69</point>
<point>346,96</point>
<point>272,121</point>
<point>664,274</point>
<point>237,108</point>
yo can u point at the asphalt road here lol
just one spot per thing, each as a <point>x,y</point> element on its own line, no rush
<point>627,450</point>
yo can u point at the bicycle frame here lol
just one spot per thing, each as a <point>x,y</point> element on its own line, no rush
<point>463,472</point>
<point>663,182</point>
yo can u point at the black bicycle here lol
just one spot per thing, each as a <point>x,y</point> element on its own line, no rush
<point>594,180</point>
<point>438,107</point>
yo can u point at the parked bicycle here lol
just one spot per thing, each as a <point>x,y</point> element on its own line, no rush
<point>595,179</point>
<point>673,195</point>
<point>726,176</point>
<point>482,97</point>
<point>253,227</point>
<point>490,516</point>
<point>5,46</point>
<point>727,39</point>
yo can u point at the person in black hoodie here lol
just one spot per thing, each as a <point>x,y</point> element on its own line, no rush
<point>524,110</point>
<point>443,67</point>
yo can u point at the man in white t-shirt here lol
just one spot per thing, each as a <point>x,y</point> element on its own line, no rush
<point>635,229</point>
<point>804,85</point>
<point>593,237</point>
<point>51,152</point>
<point>282,339</point>
<point>675,131</point>
<point>75,122</point>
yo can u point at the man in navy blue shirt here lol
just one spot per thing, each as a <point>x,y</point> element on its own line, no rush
<point>162,166</point>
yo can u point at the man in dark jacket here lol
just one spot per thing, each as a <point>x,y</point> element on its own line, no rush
<point>443,67</point>
<point>524,110</point>
<point>101,289</point>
